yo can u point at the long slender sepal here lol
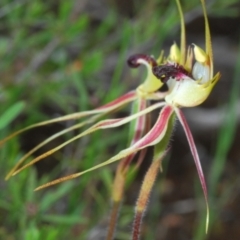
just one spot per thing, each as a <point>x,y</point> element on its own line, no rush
<point>183,34</point>
<point>154,136</point>
<point>128,97</point>
<point>192,145</point>
<point>51,138</point>
<point>109,123</point>
<point>208,42</point>
<point>158,131</point>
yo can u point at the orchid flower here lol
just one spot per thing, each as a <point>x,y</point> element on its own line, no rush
<point>188,74</point>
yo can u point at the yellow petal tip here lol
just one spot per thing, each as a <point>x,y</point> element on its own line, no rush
<point>174,53</point>
<point>199,54</point>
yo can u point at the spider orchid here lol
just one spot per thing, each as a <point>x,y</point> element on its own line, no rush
<point>188,74</point>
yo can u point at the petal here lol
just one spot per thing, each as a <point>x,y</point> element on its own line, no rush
<point>188,92</point>
<point>152,83</point>
<point>195,157</point>
<point>161,57</point>
<point>201,72</point>
<point>199,54</point>
<point>126,98</point>
<point>151,138</point>
<point>161,148</point>
<point>158,131</point>
<point>189,60</point>
<point>175,54</point>
<point>109,123</point>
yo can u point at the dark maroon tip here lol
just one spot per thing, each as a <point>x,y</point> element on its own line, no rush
<point>133,60</point>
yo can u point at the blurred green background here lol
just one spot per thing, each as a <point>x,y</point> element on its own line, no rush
<point>59,57</point>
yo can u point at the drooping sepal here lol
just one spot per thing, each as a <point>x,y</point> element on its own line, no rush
<point>196,159</point>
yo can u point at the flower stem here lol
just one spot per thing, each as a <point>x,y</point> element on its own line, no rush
<point>142,201</point>
<point>137,225</point>
<point>113,220</point>
<point>117,195</point>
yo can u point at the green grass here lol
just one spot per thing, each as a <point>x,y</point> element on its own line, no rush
<point>53,63</point>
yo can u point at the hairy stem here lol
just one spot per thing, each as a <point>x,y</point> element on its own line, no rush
<point>113,220</point>
<point>142,201</point>
<point>137,225</point>
<point>117,195</point>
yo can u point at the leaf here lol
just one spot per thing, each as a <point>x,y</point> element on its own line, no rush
<point>11,113</point>
<point>52,197</point>
<point>58,219</point>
